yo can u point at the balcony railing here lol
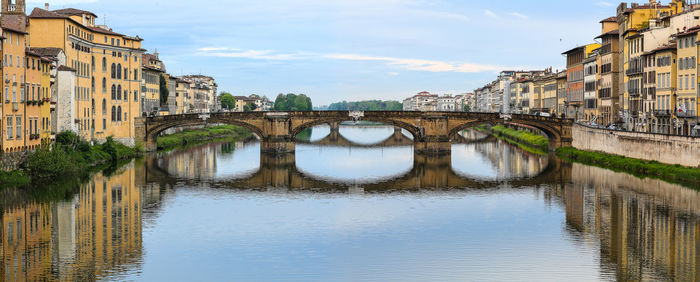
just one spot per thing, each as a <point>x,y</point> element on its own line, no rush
<point>686,114</point>
<point>662,113</point>
<point>634,92</point>
<point>634,71</point>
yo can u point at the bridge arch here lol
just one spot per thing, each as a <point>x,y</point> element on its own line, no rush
<point>415,131</point>
<point>553,133</point>
<point>163,123</point>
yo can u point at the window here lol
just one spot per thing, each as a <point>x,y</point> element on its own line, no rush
<point>119,71</point>
<point>119,92</point>
<point>19,127</point>
<point>9,127</point>
<point>692,82</point>
<point>114,92</point>
<point>104,64</point>
<point>114,71</point>
<point>93,84</point>
<point>119,113</point>
<point>104,106</point>
<point>114,113</point>
<point>104,85</point>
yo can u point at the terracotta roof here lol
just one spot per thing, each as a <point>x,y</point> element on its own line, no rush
<point>690,31</point>
<point>6,27</point>
<point>73,12</point>
<point>41,13</point>
<point>662,48</point>
<point>573,49</point>
<point>50,52</point>
<point>609,33</point>
<point>103,31</point>
<point>609,20</point>
<point>29,52</point>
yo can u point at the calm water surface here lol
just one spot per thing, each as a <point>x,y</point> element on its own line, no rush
<point>353,206</point>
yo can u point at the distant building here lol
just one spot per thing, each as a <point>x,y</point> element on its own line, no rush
<point>422,102</point>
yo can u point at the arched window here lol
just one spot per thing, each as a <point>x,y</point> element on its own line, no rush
<point>114,71</point>
<point>119,71</point>
<point>93,63</point>
<point>104,64</point>
<point>119,113</point>
<point>126,95</point>
<point>104,85</point>
<point>119,92</point>
<point>104,106</point>
<point>114,92</point>
<point>114,113</point>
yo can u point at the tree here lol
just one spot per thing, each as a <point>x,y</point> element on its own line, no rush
<point>372,105</point>
<point>293,102</point>
<point>164,92</point>
<point>250,107</point>
<point>227,101</point>
<point>466,108</point>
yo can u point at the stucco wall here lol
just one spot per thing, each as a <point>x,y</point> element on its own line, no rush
<point>654,147</point>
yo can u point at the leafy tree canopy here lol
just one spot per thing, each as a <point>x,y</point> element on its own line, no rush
<point>227,101</point>
<point>372,105</point>
<point>293,102</point>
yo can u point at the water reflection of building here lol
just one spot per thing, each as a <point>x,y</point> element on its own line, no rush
<point>198,162</point>
<point>25,253</point>
<point>511,161</point>
<point>93,235</point>
<point>647,229</point>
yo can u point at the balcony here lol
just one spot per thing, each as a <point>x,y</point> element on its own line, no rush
<point>605,93</point>
<point>634,71</point>
<point>686,114</point>
<point>662,113</point>
<point>606,49</point>
<point>634,92</point>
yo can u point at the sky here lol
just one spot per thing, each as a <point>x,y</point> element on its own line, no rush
<point>335,50</point>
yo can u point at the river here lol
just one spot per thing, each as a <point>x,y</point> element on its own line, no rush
<point>359,206</point>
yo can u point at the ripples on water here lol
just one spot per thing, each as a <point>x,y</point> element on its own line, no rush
<point>221,212</point>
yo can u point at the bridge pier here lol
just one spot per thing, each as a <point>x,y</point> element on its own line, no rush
<point>277,146</point>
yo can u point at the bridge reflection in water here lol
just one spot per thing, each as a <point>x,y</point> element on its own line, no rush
<point>637,229</point>
<point>516,168</point>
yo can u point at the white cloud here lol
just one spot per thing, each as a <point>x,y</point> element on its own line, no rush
<point>491,14</point>
<point>403,63</point>
<point>418,64</point>
<point>604,4</point>
<point>225,52</point>
<point>393,73</point>
<point>518,15</point>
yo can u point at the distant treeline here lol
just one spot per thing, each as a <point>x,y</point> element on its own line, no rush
<point>293,102</point>
<point>372,105</point>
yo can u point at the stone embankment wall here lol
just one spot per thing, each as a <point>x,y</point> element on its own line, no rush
<point>669,149</point>
<point>12,161</point>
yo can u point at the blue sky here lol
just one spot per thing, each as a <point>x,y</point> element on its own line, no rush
<point>334,50</point>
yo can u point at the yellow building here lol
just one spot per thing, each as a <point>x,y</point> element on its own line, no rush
<point>107,65</point>
<point>546,93</point>
<point>666,83</point>
<point>686,91</point>
<point>153,71</point>
<point>23,107</point>
<point>631,20</point>
<point>608,72</point>
<point>45,97</point>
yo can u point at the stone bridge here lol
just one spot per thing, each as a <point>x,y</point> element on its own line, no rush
<point>432,131</point>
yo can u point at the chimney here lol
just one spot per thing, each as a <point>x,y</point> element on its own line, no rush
<point>46,6</point>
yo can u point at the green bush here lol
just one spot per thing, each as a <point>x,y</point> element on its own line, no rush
<point>14,179</point>
<point>46,163</point>
<point>522,136</point>
<point>67,138</point>
<point>687,176</point>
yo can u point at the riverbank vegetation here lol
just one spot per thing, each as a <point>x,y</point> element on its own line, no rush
<point>201,135</point>
<point>526,141</point>
<point>69,156</point>
<point>686,176</point>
